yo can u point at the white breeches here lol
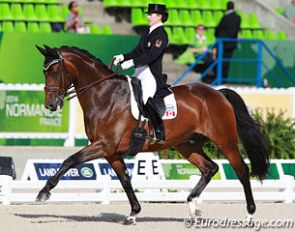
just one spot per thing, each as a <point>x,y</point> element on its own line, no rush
<point>148,82</point>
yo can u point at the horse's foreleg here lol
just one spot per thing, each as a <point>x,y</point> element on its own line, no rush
<point>88,153</point>
<point>195,155</point>
<point>119,167</point>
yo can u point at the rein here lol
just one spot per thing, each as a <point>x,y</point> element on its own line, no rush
<point>62,92</point>
<point>89,86</point>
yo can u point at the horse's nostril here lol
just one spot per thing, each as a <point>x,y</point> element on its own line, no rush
<point>50,106</point>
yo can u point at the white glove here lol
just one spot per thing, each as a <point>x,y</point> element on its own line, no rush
<point>127,64</point>
<point>118,59</point>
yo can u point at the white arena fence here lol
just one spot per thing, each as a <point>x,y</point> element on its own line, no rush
<point>152,179</point>
<point>106,190</point>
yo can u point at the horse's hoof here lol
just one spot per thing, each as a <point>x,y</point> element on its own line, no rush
<point>195,212</point>
<point>249,220</point>
<point>193,209</point>
<point>198,212</point>
<point>130,220</point>
<point>43,196</point>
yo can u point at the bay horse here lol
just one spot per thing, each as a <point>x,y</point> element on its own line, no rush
<point>204,114</point>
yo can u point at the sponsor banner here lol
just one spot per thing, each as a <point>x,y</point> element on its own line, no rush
<point>179,171</point>
<point>24,111</point>
<point>151,169</point>
<point>81,172</point>
<point>45,169</point>
<point>230,174</point>
<point>106,169</point>
<point>182,171</point>
<point>36,169</point>
<point>289,168</point>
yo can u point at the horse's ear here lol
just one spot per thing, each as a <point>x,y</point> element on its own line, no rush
<point>47,48</point>
<point>42,50</point>
<point>51,52</point>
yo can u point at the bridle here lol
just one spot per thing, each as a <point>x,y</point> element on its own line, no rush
<point>61,92</point>
<point>59,89</point>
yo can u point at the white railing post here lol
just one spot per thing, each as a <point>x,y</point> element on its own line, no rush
<point>5,189</point>
<point>105,190</point>
<point>70,140</point>
<point>289,188</point>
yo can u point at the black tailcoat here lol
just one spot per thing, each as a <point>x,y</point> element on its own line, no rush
<point>150,51</point>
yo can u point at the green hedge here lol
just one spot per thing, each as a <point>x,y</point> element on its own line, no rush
<point>280,132</point>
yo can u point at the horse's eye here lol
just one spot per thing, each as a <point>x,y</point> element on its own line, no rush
<point>54,73</point>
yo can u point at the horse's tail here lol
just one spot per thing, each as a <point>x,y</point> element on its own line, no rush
<point>253,140</point>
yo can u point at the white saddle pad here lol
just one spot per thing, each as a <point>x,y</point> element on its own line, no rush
<point>170,103</point>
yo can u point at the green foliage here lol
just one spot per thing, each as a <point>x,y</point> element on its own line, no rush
<point>214,153</point>
<point>280,132</point>
<point>170,153</point>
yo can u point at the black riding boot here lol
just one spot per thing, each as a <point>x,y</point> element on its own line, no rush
<point>156,121</point>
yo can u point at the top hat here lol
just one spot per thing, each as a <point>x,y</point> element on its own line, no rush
<point>157,8</point>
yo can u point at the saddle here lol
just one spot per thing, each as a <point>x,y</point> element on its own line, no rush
<point>158,98</point>
<point>166,108</point>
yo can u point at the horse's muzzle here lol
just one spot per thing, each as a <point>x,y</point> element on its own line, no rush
<point>51,106</point>
<point>54,104</point>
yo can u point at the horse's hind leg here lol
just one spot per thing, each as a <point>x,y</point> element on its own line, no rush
<point>223,132</point>
<point>194,153</point>
<point>88,153</point>
<point>227,142</point>
<point>119,167</point>
<point>233,155</point>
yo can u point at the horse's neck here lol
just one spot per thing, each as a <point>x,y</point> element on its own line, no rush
<point>104,96</point>
<point>92,75</point>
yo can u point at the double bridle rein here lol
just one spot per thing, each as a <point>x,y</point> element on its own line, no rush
<point>61,92</point>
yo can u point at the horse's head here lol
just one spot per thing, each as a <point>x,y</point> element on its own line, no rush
<point>56,83</point>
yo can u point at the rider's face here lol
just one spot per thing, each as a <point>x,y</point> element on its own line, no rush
<point>74,8</point>
<point>154,18</point>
